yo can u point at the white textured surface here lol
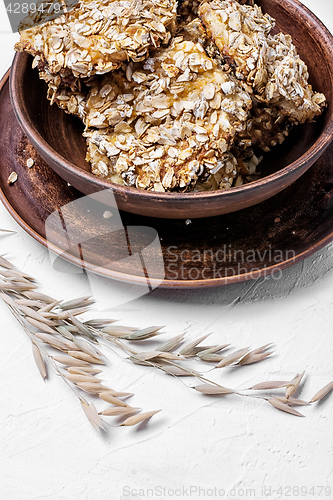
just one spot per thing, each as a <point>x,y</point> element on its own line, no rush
<point>49,450</point>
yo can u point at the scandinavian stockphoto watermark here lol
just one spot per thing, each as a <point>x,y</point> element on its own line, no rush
<point>225,262</point>
<point>27,14</point>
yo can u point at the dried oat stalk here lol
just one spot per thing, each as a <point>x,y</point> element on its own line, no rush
<point>62,342</point>
<point>67,344</point>
<point>177,364</point>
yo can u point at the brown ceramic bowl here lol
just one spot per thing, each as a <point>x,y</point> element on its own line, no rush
<point>57,136</point>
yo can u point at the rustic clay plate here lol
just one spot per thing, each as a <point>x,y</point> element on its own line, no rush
<point>58,137</point>
<point>215,251</point>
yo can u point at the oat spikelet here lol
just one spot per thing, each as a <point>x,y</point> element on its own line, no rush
<point>81,327</point>
<point>110,398</point>
<point>54,316</point>
<point>171,344</point>
<point>178,371</point>
<point>232,358</point>
<point>211,358</point>
<point>283,407</point>
<point>48,307</point>
<point>42,326</point>
<point>188,348</point>
<point>212,390</point>
<point>87,348</point>
<point>251,358</point>
<point>85,357</point>
<point>146,356</point>
<point>294,385</point>
<point>91,387</point>
<point>77,378</point>
<point>210,354</point>
<point>5,263</point>
<point>119,394</point>
<point>118,331</point>
<point>27,311</point>
<point>17,275</point>
<point>8,300</point>
<point>70,361</point>
<point>264,386</point>
<point>322,393</point>
<point>168,356</point>
<point>83,370</point>
<point>139,418</point>
<point>28,302</point>
<point>64,332</point>
<point>116,411</point>
<point>293,401</point>
<point>32,294</point>
<point>39,361</point>
<point>98,323</point>
<point>256,355</point>
<point>17,287</point>
<point>214,349</point>
<point>144,333</point>
<point>56,342</point>
<point>92,415</point>
<point>79,302</point>
<point>137,361</point>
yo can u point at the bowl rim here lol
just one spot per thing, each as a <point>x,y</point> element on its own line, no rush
<point>317,148</point>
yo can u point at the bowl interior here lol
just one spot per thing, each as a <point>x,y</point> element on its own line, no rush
<point>63,132</point>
